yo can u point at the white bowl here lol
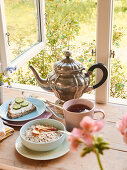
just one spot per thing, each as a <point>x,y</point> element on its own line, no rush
<point>46,146</point>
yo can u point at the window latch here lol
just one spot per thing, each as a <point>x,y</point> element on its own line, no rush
<point>8,36</point>
<point>93,52</point>
<point>112,54</point>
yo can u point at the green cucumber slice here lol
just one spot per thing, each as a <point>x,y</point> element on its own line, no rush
<point>16,106</point>
<point>24,104</point>
<point>19,100</point>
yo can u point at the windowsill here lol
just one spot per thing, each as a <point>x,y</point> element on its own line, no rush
<point>35,89</point>
<point>30,88</point>
<point>118,101</point>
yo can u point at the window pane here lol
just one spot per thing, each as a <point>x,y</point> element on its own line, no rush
<point>21,25</point>
<point>118,86</point>
<point>69,24</point>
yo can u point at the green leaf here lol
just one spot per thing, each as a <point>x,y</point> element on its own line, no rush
<point>117,44</point>
<point>63,36</point>
<point>101,145</point>
<point>90,59</point>
<point>82,60</point>
<point>85,151</point>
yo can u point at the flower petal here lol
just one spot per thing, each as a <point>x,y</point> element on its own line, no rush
<point>87,123</point>
<point>125,139</point>
<point>98,125</point>
<point>124,121</point>
<point>77,132</point>
<point>88,139</point>
<point>91,126</point>
<point>120,127</point>
<point>74,142</point>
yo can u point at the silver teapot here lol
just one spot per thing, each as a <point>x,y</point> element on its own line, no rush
<point>68,81</point>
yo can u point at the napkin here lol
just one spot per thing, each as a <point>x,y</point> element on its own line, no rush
<point>2,129</point>
<point>5,130</point>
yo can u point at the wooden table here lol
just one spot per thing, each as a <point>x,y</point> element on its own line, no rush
<point>113,159</point>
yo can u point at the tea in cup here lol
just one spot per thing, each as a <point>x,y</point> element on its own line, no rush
<point>75,109</point>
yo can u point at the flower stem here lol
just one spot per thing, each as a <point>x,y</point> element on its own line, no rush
<point>98,158</point>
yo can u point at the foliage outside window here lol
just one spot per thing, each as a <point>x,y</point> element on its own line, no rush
<point>63,24</point>
<point>23,32</point>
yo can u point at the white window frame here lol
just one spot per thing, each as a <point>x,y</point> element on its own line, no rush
<point>103,42</point>
<point>32,51</point>
<point>103,46</point>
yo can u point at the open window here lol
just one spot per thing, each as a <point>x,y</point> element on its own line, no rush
<point>103,28</point>
<point>29,23</point>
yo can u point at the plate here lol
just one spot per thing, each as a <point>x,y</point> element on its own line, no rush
<point>53,154</point>
<point>40,108</point>
<point>45,115</point>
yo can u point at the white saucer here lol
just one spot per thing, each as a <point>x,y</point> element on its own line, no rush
<point>56,153</point>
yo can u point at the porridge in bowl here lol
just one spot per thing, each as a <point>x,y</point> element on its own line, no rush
<point>42,133</point>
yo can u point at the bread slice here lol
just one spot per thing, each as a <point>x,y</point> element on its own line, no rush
<point>19,107</point>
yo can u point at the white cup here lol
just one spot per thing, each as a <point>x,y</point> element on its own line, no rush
<point>73,119</point>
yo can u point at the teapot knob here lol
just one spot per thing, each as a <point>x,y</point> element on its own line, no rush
<point>67,53</point>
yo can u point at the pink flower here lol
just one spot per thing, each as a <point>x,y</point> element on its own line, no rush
<point>74,139</point>
<point>83,136</point>
<point>91,126</point>
<point>77,136</point>
<point>88,127</point>
<point>122,127</point>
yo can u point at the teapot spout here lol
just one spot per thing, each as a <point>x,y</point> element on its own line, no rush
<point>43,83</point>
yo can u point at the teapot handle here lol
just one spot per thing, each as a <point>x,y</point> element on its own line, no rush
<point>105,74</point>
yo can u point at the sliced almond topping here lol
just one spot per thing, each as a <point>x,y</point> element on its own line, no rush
<point>40,127</point>
<point>35,132</point>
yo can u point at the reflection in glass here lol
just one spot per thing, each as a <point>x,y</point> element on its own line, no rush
<point>118,86</point>
<point>21,24</point>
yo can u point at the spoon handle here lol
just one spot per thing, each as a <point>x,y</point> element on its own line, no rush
<point>53,104</point>
<point>66,132</point>
<point>60,116</point>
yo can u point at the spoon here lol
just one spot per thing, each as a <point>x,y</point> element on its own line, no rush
<point>66,132</point>
<point>60,116</point>
<point>56,130</point>
<point>51,103</point>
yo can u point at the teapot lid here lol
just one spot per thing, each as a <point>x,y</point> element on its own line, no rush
<point>68,65</point>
